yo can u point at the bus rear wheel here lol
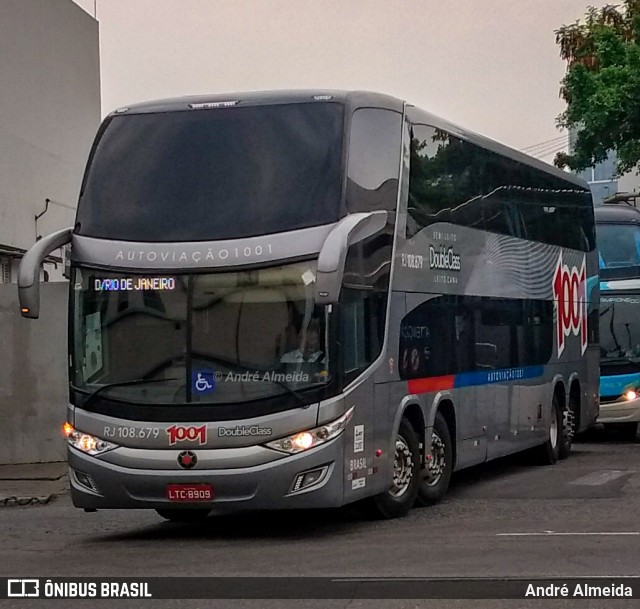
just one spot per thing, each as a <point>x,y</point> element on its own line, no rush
<point>567,429</point>
<point>549,452</point>
<point>399,499</point>
<point>439,464</point>
<point>183,515</point>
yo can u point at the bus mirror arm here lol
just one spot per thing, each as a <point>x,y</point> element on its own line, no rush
<point>29,271</point>
<point>351,229</point>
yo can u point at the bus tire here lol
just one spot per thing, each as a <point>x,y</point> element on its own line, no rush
<point>399,499</point>
<point>567,429</point>
<point>174,515</point>
<point>549,452</point>
<point>434,486</point>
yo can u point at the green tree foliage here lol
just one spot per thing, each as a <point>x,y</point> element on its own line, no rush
<point>602,86</point>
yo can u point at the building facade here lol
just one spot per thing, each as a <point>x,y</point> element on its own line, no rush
<point>49,113</point>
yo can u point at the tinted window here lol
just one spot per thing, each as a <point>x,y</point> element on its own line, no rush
<point>618,245</point>
<point>363,302</point>
<point>455,181</point>
<point>451,334</point>
<point>374,159</point>
<point>214,174</point>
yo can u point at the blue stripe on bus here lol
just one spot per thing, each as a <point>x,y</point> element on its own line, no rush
<point>613,386</point>
<point>487,377</point>
<point>471,379</point>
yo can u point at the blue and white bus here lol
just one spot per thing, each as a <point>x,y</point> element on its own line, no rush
<point>618,238</point>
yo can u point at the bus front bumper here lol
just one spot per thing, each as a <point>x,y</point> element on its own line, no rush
<point>620,411</point>
<point>262,487</point>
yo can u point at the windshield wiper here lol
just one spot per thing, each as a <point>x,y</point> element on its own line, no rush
<point>100,389</point>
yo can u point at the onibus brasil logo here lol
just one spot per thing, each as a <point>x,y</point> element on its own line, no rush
<point>570,296</point>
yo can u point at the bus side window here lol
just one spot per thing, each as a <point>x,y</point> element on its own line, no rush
<point>364,301</point>
<point>374,160</point>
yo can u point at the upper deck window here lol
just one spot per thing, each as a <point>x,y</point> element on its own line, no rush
<point>204,175</point>
<point>455,181</point>
<point>374,160</point>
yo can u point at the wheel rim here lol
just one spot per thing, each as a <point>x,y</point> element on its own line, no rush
<point>553,429</point>
<point>438,460</point>
<point>568,424</point>
<point>402,468</point>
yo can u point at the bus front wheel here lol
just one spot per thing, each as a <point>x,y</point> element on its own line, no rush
<point>399,499</point>
<point>439,464</point>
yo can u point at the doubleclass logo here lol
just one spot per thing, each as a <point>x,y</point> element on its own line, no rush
<point>444,258</point>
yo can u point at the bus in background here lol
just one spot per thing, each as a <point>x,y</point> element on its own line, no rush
<point>306,299</point>
<point>618,238</point>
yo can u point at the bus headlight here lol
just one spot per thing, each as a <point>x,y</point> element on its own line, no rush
<point>304,440</point>
<point>631,394</point>
<point>87,443</point>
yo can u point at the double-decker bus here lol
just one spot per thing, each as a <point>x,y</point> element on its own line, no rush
<point>618,237</point>
<point>304,299</point>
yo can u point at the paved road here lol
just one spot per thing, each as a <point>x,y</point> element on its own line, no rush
<point>578,518</point>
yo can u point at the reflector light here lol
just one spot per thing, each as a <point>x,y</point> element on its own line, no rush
<point>208,105</point>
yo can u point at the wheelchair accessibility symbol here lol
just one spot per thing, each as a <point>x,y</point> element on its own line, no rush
<point>202,382</point>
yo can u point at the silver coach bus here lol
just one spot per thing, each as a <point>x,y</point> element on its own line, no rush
<point>304,299</point>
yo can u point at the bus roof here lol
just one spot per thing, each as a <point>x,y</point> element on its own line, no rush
<point>251,98</point>
<point>617,213</point>
<point>355,98</point>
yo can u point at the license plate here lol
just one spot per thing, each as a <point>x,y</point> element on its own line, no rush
<point>189,493</point>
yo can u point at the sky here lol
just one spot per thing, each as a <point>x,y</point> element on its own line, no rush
<point>491,66</point>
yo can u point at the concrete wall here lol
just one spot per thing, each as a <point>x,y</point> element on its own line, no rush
<point>33,376</point>
<point>49,113</point>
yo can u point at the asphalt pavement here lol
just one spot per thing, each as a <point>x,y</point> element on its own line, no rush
<point>578,518</point>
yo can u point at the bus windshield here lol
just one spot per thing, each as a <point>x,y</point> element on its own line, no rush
<point>619,247</point>
<point>217,338</point>
<point>207,175</point>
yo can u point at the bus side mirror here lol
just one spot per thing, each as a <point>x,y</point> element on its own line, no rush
<point>29,271</point>
<point>351,229</point>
